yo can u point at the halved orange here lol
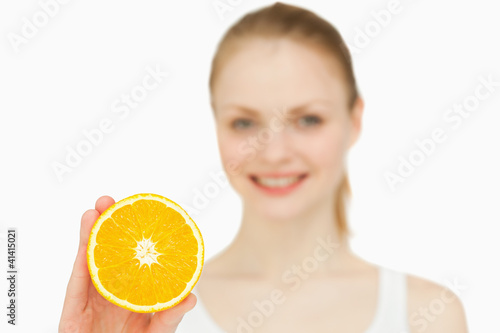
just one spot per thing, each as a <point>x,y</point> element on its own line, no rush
<point>145,253</point>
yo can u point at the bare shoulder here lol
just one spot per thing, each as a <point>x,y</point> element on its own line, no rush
<point>433,307</point>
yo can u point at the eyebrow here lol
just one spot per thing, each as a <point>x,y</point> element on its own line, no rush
<point>294,111</point>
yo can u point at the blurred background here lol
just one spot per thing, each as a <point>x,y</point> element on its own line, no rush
<point>111,98</point>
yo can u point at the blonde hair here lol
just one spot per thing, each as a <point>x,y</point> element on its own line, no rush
<point>282,20</point>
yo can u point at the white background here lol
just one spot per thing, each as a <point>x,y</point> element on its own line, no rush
<point>442,223</point>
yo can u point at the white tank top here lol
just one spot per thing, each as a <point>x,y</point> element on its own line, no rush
<point>390,317</point>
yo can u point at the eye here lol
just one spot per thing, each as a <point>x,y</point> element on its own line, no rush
<point>311,120</point>
<point>240,123</point>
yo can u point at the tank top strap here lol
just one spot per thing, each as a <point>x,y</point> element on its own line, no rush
<point>391,314</point>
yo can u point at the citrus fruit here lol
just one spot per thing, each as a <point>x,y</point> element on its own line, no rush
<point>145,253</point>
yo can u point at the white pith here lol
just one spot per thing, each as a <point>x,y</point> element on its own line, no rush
<point>146,252</point>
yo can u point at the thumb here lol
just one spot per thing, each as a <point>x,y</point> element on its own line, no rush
<point>167,320</point>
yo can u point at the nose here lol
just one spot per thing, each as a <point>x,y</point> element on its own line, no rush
<point>276,145</point>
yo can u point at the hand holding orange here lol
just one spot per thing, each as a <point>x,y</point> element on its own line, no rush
<point>86,310</point>
<point>145,253</point>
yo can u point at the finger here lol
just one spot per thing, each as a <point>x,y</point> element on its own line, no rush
<point>168,320</point>
<point>104,203</point>
<point>80,277</point>
<point>88,220</point>
<point>78,285</point>
<point>77,290</point>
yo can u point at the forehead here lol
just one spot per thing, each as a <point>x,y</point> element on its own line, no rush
<point>278,73</point>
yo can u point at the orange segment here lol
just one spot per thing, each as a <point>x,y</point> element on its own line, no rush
<point>183,267</point>
<point>168,223</point>
<point>181,241</point>
<point>150,212</point>
<point>117,279</point>
<point>112,234</point>
<point>106,255</point>
<point>126,218</point>
<point>168,290</point>
<point>145,253</point>
<point>142,290</point>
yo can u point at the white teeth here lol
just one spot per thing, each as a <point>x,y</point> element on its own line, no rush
<point>277,182</point>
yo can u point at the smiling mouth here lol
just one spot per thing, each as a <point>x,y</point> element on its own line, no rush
<point>277,182</point>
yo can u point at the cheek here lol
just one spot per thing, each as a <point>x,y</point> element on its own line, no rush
<point>230,149</point>
<point>328,150</point>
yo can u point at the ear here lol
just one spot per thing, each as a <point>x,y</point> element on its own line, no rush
<point>356,120</point>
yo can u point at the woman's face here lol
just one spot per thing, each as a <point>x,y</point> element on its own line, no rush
<point>283,125</point>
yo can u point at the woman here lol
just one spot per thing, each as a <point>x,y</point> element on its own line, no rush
<point>287,110</point>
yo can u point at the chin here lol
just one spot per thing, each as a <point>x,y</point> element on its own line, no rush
<point>278,210</point>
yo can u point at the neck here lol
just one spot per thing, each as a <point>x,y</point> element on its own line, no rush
<point>278,250</point>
